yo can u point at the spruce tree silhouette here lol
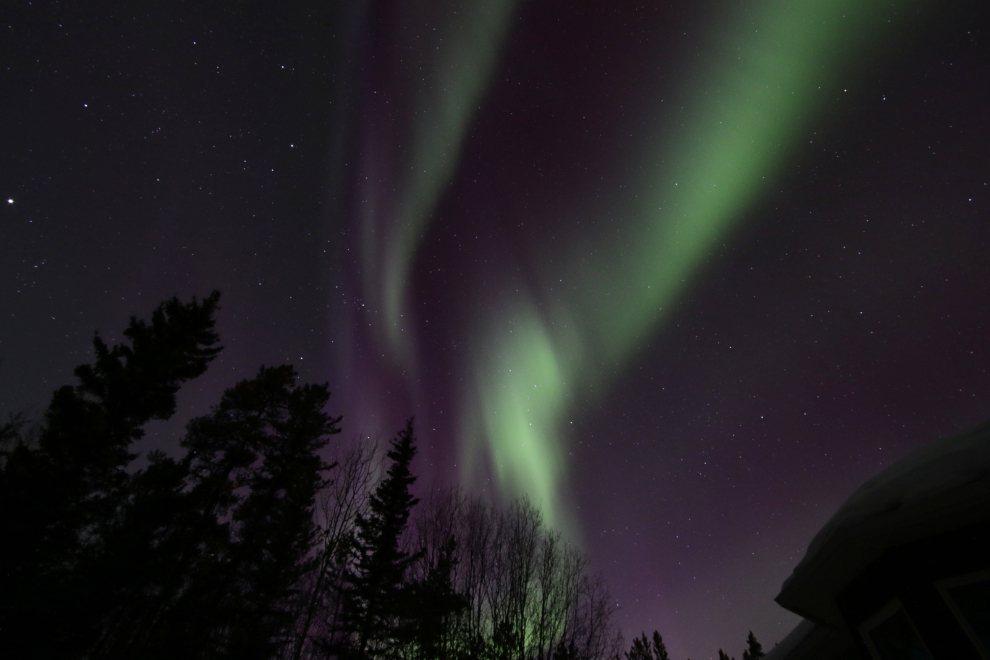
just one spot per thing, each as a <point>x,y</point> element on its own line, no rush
<point>659,648</point>
<point>641,649</point>
<point>375,588</point>
<point>754,650</point>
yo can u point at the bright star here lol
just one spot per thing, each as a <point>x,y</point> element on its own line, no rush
<point>10,201</point>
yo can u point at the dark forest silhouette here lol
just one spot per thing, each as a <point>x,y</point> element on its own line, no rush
<point>250,545</point>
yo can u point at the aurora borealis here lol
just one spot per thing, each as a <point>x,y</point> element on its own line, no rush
<point>747,107</point>
<point>685,274</point>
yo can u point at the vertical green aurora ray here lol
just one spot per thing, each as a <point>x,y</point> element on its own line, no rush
<point>776,65</point>
<point>456,73</point>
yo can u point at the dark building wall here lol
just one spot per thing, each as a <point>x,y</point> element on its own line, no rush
<point>908,573</point>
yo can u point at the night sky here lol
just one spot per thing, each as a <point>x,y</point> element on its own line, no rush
<point>687,273</point>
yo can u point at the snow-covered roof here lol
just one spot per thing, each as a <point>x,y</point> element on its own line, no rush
<point>936,488</point>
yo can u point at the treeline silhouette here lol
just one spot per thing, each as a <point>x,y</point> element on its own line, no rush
<point>644,649</point>
<point>249,545</point>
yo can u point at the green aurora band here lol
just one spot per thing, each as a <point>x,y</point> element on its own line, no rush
<point>775,67</point>
<point>464,46</point>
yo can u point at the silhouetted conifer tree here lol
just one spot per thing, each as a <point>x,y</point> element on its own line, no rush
<point>375,590</point>
<point>642,650</point>
<point>755,650</point>
<point>62,498</point>
<point>255,462</point>
<point>659,648</point>
<point>195,558</point>
<point>431,606</point>
<point>236,527</point>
